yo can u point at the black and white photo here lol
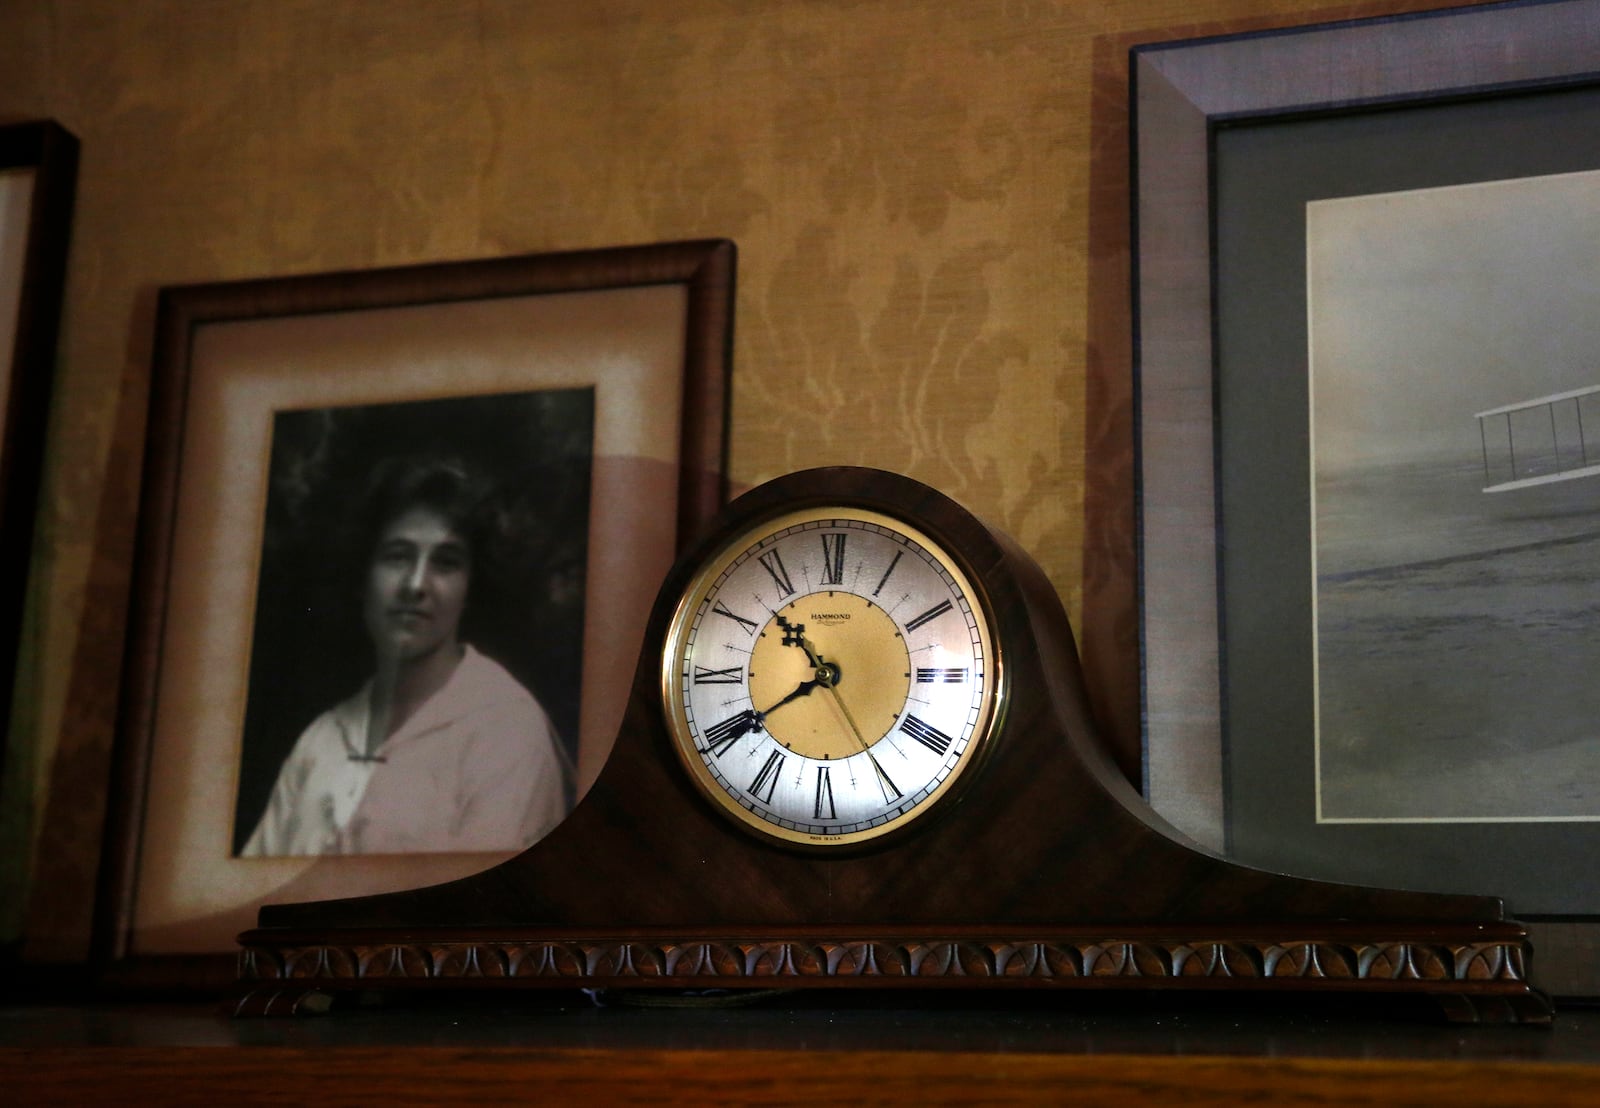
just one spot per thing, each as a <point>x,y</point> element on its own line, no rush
<point>421,589</point>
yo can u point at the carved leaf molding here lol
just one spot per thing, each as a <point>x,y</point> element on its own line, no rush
<point>700,960</point>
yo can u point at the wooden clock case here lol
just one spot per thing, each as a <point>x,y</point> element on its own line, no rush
<point>1047,871</point>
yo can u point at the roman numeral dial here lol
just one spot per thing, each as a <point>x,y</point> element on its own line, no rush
<point>829,675</point>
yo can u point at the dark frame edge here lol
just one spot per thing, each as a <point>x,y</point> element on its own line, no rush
<point>52,152</point>
<point>176,317</point>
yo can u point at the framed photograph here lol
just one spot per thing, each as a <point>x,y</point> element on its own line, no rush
<point>1368,416</point>
<point>399,536</point>
<point>38,179</point>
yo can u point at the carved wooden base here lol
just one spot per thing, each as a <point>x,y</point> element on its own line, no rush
<point>1478,979</point>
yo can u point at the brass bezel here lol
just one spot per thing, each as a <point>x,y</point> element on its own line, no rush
<point>694,595</point>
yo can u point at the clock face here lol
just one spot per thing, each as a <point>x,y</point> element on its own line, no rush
<point>829,675</point>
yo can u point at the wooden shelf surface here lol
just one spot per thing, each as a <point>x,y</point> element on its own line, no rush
<point>862,1049</point>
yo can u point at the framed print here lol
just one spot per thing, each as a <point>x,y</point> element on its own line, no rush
<point>399,534</point>
<point>1364,255</point>
<point>38,179</point>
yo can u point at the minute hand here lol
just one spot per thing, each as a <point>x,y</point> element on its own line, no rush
<point>826,676</point>
<point>825,679</point>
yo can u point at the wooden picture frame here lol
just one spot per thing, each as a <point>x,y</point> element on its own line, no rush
<point>434,356</point>
<point>38,182</point>
<point>1225,567</point>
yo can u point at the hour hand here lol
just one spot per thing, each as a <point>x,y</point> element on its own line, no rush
<point>803,689</point>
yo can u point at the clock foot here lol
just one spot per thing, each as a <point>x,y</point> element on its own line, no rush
<point>1531,1007</point>
<point>287,1001</point>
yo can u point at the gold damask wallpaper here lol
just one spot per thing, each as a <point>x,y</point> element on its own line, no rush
<point>929,200</point>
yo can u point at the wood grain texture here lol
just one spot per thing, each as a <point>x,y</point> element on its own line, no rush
<point>1047,870</point>
<point>367,1075</point>
<point>1048,833</point>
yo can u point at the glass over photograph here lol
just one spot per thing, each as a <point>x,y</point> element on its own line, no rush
<point>417,645</point>
<point>1455,427</point>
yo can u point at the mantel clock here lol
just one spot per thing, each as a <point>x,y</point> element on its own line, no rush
<point>857,753</point>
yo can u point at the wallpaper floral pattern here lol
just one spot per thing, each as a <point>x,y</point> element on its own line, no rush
<point>928,199</point>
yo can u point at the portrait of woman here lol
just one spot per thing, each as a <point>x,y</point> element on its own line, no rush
<point>448,592</point>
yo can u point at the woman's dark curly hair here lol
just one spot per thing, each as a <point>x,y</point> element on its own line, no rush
<point>463,496</point>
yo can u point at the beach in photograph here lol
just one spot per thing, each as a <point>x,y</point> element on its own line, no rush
<point>1458,645</point>
<point>1455,346</point>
